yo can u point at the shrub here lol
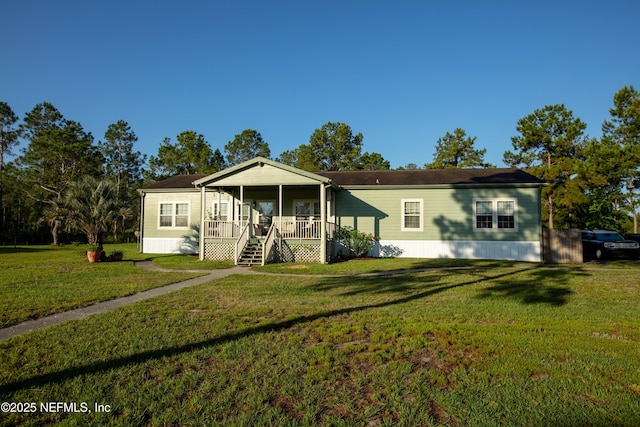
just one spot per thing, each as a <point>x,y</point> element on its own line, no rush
<point>356,242</point>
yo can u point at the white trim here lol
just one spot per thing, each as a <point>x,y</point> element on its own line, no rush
<point>530,251</point>
<point>323,224</point>
<point>173,214</point>
<point>203,208</point>
<point>167,245</point>
<point>494,223</point>
<point>420,216</point>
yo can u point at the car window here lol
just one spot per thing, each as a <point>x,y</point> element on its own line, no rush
<point>609,237</point>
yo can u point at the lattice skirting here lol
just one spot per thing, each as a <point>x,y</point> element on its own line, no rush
<point>289,252</point>
<point>218,251</point>
<point>300,252</point>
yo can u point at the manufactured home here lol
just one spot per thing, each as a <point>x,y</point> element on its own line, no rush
<point>263,211</point>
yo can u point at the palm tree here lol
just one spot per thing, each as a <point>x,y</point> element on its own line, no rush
<point>91,207</point>
<point>53,215</point>
<point>123,214</point>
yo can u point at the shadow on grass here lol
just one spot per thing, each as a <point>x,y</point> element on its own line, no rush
<point>540,286</point>
<point>23,249</point>
<point>369,285</point>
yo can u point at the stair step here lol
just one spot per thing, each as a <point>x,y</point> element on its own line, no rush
<point>251,255</point>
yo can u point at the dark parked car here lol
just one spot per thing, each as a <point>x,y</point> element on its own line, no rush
<point>632,236</point>
<point>605,244</point>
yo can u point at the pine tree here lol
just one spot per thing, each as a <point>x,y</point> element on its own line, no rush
<point>549,147</point>
<point>457,151</point>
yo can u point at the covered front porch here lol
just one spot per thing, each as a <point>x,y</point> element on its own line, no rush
<point>286,239</point>
<point>262,211</point>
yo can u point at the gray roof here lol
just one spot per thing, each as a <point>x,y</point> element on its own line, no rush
<point>178,181</point>
<point>432,177</point>
<point>494,176</point>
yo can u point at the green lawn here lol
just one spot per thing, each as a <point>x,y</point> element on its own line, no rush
<point>378,265</point>
<point>188,262</point>
<point>488,345</point>
<point>36,281</point>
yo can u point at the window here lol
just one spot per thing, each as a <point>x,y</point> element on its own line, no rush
<point>181,218</point>
<point>220,210</point>
<point>243,211</point>
<point>495,215</point>
<point>174,215</point>
<point>166,215</point>
<point>506,214</point>
<point>484,214</point>
<point>306,208</point>
<point>412,215</point>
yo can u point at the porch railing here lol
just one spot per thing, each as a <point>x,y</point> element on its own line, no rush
<point>299,228</point>
<point>221,229</point>
<point>241,243</point>
<point>268,253</point>
<point>289,227</point>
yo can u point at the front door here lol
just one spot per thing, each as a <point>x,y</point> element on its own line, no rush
<point>245,215</point>
<point>265,208</point>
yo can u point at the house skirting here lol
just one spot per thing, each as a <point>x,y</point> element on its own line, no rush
<point>219,251</point>
<point>293,250</point>
<point>169,245</point>
<point>309,250</point>
<point>500,250</point>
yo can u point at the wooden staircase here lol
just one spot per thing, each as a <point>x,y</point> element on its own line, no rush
<point>251,254</point>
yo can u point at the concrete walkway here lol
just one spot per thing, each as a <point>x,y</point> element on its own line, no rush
<point>81,313</point>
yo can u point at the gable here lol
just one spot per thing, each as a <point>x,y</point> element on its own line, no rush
<point>261,172</point>
<point>262,175</point>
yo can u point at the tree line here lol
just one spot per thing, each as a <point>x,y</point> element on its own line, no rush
<point>591,182</point>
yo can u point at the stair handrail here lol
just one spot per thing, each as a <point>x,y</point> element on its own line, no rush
<point>241,243</point>
<point>267,246</point>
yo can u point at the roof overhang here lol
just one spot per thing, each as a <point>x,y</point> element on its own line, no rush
<point>168,190</point>
<point>262,172</point>
<point>437,186</point>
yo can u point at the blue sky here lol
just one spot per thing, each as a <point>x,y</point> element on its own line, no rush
<point>403,73</point>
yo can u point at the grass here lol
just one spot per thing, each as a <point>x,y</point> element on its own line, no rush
<point>188,262</point>
<point>506,345</point>
<point>40,280</point>
<point>377,265</point>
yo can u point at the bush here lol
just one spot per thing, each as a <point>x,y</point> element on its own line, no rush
<point>356,242</point>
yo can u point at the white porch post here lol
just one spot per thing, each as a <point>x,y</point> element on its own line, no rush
<point>242,224</point>
<point>203,210</point>
<point>280,222</point>
<point>280,205</point>
<point>141,235</point>
<point>323,224</point>
<point>241,206</point>
<point>219,213</point>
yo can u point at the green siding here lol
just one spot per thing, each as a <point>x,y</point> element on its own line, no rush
<point>447,213</point>
<point>151,211</point>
